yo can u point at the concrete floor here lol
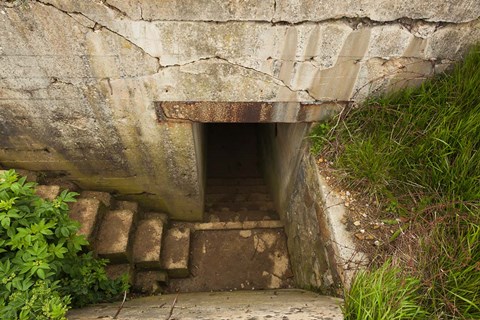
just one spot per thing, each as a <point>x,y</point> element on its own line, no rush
<point>288,304</point>
<point>222,260</point>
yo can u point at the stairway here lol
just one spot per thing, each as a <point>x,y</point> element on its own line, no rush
<point>138,243</point>
<point>241,244</point>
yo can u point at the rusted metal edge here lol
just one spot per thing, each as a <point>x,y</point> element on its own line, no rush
<point>246,112</point>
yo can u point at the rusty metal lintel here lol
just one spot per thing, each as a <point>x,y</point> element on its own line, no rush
<point>246,112</point>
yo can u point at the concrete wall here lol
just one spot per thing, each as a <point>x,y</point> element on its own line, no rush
<point>291,176</point>
<point>79,79</point>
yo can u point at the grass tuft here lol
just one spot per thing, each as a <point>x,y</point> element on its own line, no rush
<point>384,294</point>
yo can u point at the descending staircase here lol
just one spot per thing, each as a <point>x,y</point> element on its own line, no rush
<point>135,242</point>
<point>240,245</point>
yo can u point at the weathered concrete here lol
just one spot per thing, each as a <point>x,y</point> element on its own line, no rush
<point>47,192</point>
<point>80,80</point>
<point>292,176</point>
<point>242,305</point>
<point>113,237</point>
<point>337,239</point>
<point>104,197</point>
<point>89,213</point>
<point>147,243</point>
<point>236,260</point>
<point>176,252</point>
<point>150,281</point>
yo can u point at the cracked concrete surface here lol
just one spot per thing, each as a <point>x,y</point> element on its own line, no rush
<point>247,305</point>
<point>81,77</point>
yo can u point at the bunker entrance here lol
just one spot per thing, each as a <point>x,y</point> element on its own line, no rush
<point>235,185</point>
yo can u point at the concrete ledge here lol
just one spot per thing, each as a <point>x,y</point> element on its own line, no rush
<point>242,305</point>
<point>348,259</point>
<point>266,224</point>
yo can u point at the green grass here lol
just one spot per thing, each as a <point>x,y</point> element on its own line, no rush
<point>419,149</point>
<point>384,294</point>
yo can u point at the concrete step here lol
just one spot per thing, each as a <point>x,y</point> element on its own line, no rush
<point>232,197</point>
<point>115,271</point>
<point>126,205</point>
<point>288,304</point>
<point>104,197</point>
<point>241,216</point>
<point>176,252</point>
<point>236,189</point>
<point>150,281</point>
<point>147,243</point>
<point>47,192</point>
<point>223,259</point>
<point>114,236</point>
<point>241,206</point>
<point>89,213</point>
<point>235,182</point>
<point>245,225</point>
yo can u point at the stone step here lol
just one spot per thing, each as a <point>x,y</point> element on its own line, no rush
<point>47,192</point>
<point>147,243</point>
<point>115,271</point>
<point>89,212</point>
<point>235,182</point>
<point>236,189</point>
<point>236,216</point>
<point>104,197</point>
<point>245,225</point>
<point>232,197</point>
<point>241,206</point>
<point>126,205</point>
<point>150,281</point>
<point>236,260</point>
<point>176,252</point>
<point>114,236</point>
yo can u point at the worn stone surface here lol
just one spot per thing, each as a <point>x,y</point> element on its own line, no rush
<point>47,192</point>
<point>147,243</point>
<point>115,271</point>
<point>113,237</point>
<point>292,177</point>
<point>104,197</point>
<point>80,79</point>
<point>150,281</point>
<point>236,260</point>
<point>176,252</point>
<point>127,205</point>
<point>89,213</point>
<point>242,305</point>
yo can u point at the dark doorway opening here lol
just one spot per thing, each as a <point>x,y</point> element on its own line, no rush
<point>236,189</point>
<point>232,151</point>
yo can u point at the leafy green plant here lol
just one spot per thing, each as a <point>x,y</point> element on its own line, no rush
<point>384,294</point>
<point>43,265</point>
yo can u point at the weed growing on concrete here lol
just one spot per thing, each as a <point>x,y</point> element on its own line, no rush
<point>419,150</point>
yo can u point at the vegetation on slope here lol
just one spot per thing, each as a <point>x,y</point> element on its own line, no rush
<point>417,153</point>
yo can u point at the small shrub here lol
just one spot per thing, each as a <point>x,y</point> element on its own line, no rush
<point>43,266</point>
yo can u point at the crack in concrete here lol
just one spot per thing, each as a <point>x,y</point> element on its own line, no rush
<point>116,9</point>
<point>216,57</point>
<point>98,25</point>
